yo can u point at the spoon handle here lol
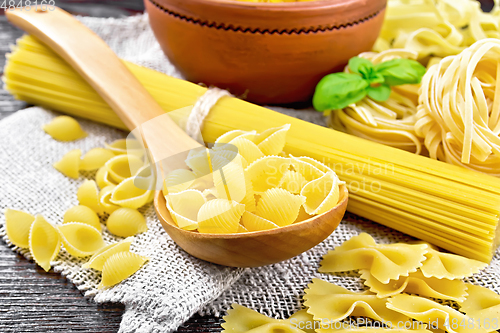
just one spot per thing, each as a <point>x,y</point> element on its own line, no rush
<point>104,71</point>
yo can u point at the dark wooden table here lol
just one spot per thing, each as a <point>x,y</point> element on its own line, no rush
<point>32,300</point>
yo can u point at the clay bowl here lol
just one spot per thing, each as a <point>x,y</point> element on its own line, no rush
<point>258,248</point>
<point>271,53</point>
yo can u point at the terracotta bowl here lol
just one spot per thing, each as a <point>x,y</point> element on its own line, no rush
<point>272,53</point>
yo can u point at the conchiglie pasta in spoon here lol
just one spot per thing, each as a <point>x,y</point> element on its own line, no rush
<point>168,147</point>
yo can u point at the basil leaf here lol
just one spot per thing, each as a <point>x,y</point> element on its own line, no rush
<point>380,93</point>
<point>401,71</point>
<point>362,66</point>
<point>338,90</point>
<point>376,78</point>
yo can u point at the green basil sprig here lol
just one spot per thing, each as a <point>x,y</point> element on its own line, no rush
<point>338,90</point>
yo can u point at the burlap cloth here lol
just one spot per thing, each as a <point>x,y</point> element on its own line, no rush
<point>173,285</point>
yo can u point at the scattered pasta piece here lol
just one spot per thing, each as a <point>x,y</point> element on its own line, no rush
<point>327,300</point>
<point>122,167</point>
<point>449,266</point>
<point>322,194</point>
<point>267,172</point>
<point>184,207</point>
<point>387,261</point>
<point>126,147</point>
<point>273,140</point>
<point>17,226</point>
<point>220,216</point>
<point>69,164</point>
<point>482,304</point>
<point>178,181</point>
<point>95,159</point>
<point>64,128</point>
<point>88,195</point>
<point>252,222</point>
<point>428,311</point>
<point>240,319</point>
<point>99,258</point>
<point>44,242</point>
<point>120,266</point>
<point>417,283</point>
<point>80,239</point>
<point>279,206</point>
<point>105,199</point>
<point>82,214</point>
<point>103,178</point>
<point>126,222</point>
<point>127,194</point>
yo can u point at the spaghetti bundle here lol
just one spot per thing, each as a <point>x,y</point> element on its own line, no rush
<point>390,122</point>
<point>449,206</point>
<point>459,108</point>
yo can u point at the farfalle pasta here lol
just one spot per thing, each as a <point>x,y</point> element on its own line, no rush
<point>17,226</point>
<point>428,311</point>
<point>482,304</point>
<point>327,300</point>
<point>69,164</point>
<point>387,261</point>
<point>449,266</point>
<point>64,128</point>
<point>247,179</point>
<point>417,283</point>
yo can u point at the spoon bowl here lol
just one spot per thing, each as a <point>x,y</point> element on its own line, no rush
<point>258,248</point>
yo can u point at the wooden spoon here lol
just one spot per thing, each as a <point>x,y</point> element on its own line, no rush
<point>104,71</point>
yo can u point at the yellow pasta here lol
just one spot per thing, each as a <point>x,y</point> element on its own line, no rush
<point>17,226</point>
<point>69,165</point>
<point>386,261</point>
<point>449,266</point>
<point>417,283</point>
<point>220,216</point>
<point>460,119</point>
<point>126,222</point>
<point>306,169</point>
<point>267,172</point>
<point>184,207</point>
<point>119,267</point>
<point>428,311</point>
<point>229,181</point>
<point>253,222</point>
<point>199,162</point>
<point>322,194</point>
<point>247,149</point>
<point>103,178</point>
<point>279,206</point>
<point>302,215</point>
<point>122,167</point>
<point>99,258</point>
<point>64,128</point>
<point>482,304</point>
<point>95,159</point>
<point>82,214</point>
<point>80,239</point>
<point>327,300</point>
<point>273,140</point>
<point>240,319</point>
<point>292,181</point>
<point>88,195</point>
<point>44,242</point>
<point>105,199</point>
<point>317,164</point>
<point>178,181</point>
<point>230,135</point>
<point>127,194</point>
<point>126,147</point>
